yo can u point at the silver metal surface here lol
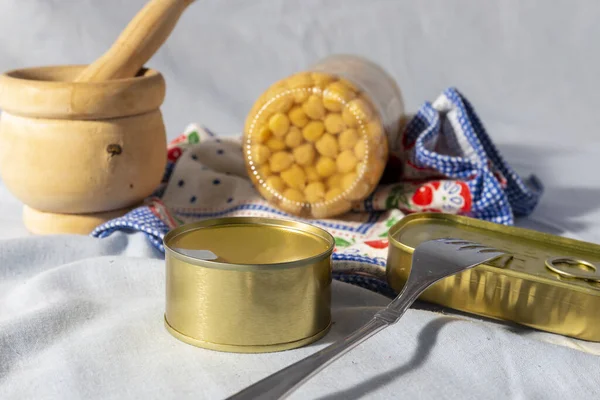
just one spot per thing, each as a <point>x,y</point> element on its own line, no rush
<point>432,260</point>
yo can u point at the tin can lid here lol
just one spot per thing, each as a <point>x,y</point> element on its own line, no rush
<point>247,243</point>
<point>531,255</point>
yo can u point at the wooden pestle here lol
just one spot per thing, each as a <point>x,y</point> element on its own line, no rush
<point>142,37</point>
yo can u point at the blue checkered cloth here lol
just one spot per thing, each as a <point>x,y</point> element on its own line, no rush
<point>450,139</point>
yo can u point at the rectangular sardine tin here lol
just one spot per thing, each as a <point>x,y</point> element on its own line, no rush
<point>546,282</point>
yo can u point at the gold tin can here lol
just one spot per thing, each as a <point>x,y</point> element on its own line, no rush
<point>546,282</point>
<point>248,285</point>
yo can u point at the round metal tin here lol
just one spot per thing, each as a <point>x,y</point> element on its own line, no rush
<point>247,284</point>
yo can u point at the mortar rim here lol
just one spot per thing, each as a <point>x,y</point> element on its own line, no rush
<point>150,73</point>
<point>50,92</point>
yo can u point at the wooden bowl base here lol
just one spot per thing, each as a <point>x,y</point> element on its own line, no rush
<point>45,223</point>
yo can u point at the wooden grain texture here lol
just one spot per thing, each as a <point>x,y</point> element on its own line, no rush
<point>142,37</point>
<point>42,223</point>
<point>71,166</point>
<point>49,92</point>
<point>73,152</point>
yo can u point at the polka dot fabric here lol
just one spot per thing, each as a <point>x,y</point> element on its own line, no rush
<point>447,163</point>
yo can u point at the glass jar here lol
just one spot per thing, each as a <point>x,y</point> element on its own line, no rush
<point>316,142</point>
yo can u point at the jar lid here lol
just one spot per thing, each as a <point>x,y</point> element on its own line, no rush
<point>314,145</point>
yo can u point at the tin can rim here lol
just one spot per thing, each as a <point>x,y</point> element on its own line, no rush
<point>246,348</point>
<point>280,222</point>
<point>477,223</point>
<point>396,245</point>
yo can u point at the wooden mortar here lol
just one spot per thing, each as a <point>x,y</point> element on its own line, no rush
<point>80,148</point>
<point>80,145</point>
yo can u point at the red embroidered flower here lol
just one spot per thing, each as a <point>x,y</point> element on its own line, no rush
<point>377,244</point>
<point>174,154</point>
<point>424,195</point>
<point>443,196</point>
<point>179,139</point>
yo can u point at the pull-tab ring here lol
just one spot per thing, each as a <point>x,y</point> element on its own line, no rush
<point>592,275</point>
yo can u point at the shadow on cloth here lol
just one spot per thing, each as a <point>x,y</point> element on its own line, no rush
<point>427,340</point>
<point>559,206</point>
<point>561,210</point>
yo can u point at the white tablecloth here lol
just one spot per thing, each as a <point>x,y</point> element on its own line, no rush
<point>82,318</point>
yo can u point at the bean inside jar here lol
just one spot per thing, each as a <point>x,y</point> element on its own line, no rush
<point>314,145</point>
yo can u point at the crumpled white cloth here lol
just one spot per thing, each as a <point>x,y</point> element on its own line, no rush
<point>82,318</point>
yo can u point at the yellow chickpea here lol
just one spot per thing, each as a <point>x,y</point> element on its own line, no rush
<point>313,107</point>
<point>281,104</point>
<point>346,161</point>
<point>293,195</point>
<point>279,124</point>
<point>265,170</point>
<point>314,192</point>
<point>348,180</point>
<point>334,181</point>
<point>362,167</point>
<point>275,144</point>
<point>301,95</point>
<point>321,80</point>
<point>260,120</point>
<point>275,89</point>
<point>325,167</point>
<point>293,137</point>
<point>336,95</point>
<point>327,146</point>
<point>374,131</point>
<point>299,80</point>
<point>260,154</point>
<point>258,104</point>
<point>294,177</point>
<point>325,210</point>
<point>348,139</point>
<point>261,134</point>
<point>272,100</point>
<point>313,131</point>
<point>360,150</point>
<point>333,193</point>
<point>276,183</point>
<point>349,85</point>
<point>280,161</point>
<point>304,154</point>
<point>349,119</point>
<point>357,110</point>
<point>311,174</point>
<point>334,123</point>
<point>275,99</point>
<point>298,117</point>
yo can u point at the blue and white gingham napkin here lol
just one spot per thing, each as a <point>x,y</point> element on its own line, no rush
<point>447,138</point>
